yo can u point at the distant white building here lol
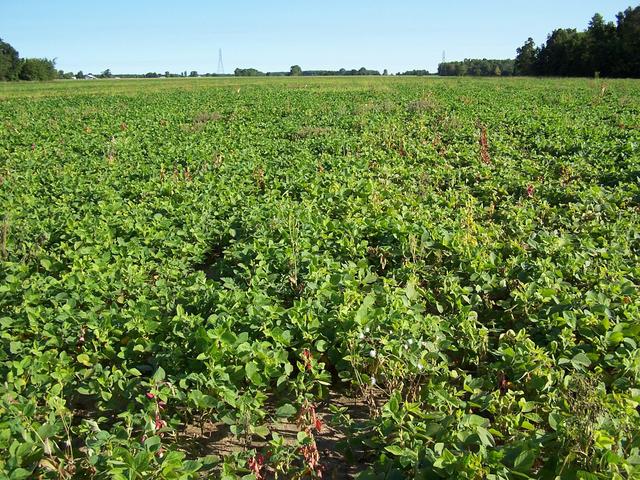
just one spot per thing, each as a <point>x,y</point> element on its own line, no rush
<point>89,76</point>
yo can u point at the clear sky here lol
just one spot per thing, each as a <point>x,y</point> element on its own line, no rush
<point>130,36</point>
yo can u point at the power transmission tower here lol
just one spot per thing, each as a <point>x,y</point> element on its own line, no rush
<point>220,63</point>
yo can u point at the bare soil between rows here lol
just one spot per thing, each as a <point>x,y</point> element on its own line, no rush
<point>216,438</point>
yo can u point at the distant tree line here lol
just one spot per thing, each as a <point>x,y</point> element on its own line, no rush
<point>415,73</point>
<point>166,74</point>
<point>296,71</point>
<point>341,72</point>
<point>12,67</point>
<point>605,48</point>
<point>248,72</point>
<point>477,68</point>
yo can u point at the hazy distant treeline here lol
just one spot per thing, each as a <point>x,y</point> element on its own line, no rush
<point>295,70</point>
<point>477,68</point>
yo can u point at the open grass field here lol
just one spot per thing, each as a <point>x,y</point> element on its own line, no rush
<point>283,278</point>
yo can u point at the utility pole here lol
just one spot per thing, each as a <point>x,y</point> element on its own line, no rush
<point>220,63</point>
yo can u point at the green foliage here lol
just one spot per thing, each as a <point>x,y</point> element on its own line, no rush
<point>460,256</point>
<point>9,62</point>
<point>341,72</point>
<point>525,63</point>
<point>247,72</point>
<point>12,67</point>
<point>65,75</point>
<point>417,73</point>
<point>297,71</point>
<point>605,49</point>
<point>477,68</point>
<point>40,69</point>
<point>37,69</point>
<point>627,64</point>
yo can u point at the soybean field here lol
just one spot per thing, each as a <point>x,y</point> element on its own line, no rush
<point>276,278</point>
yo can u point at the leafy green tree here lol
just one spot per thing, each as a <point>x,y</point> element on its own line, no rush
<point>525,63</point>
<point>295,71</point>
<point>602,49</point>
<point>565,54</point>
<point>193,73</point>
<point>106,74</point>
<point>80,75</point>
<point>247,72</point>
<point>9,62</point>
<point>38,69</point>
<point>612,50</point>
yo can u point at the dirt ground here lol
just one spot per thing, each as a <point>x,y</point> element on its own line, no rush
<point>216,439</point>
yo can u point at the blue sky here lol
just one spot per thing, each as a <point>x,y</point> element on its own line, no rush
<point>142,36</point>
